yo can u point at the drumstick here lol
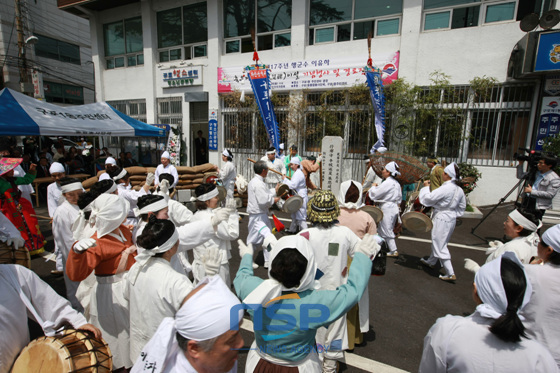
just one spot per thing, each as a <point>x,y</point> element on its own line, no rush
<point>270,169</point>
<point>42,217</point>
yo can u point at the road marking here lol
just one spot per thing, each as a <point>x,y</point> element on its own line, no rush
<point>350,358</point>
<point>407,238</point>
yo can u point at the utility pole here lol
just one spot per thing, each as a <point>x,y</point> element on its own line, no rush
<point>26,86</point>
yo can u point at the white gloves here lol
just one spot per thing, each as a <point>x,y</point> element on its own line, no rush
<point>17,242</point>
<point>211,260</point>
<point>163,187</point>
<point>230,204</point>
<point>150,178</point>
<point>244,249</point>
<point>219,216</point>
<point>369,246</point>
<point>84,244</point>
<point>319,158</point>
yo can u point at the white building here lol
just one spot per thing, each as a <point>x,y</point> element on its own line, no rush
<point>139,47</point>
<point>58,61</point>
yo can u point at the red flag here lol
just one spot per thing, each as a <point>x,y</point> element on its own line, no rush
<point>277,224</point>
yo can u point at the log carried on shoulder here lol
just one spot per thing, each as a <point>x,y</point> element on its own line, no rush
<point>270,169</point>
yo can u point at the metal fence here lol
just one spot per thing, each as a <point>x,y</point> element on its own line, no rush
<point>480,128</point>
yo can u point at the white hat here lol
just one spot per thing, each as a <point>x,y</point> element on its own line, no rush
<point>295,160</point>
<point>57,168</point>
<point>227,153</point>
<point>450,170</point>
<point>111,160</point>
<point>552,237</point>
<point>165,154</point>
<point>281,146</point>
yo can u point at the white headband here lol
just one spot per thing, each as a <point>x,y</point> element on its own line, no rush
<point>271,152</point>
<point>450,170</point>
<point>551,237</point>
<point>490,288</point>
<point>393,168</point>
<point>112,188</point>
<point>146,254</point>
<point>57,167</point>
<point>227,153</point>
<point>517,217</point>
<point>160,204</point>
<point>120,175</point>
<point>71,187</point>
<point>206,197</point>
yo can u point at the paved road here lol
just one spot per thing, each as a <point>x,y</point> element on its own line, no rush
<point>404,303</point>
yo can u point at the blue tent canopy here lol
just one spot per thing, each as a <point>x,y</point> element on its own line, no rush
<point>21,115</point>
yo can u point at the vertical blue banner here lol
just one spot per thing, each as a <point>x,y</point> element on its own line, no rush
<point>260,82</point>
<point>549,121</point>
<point>213,130</point>
<point>378,99</point>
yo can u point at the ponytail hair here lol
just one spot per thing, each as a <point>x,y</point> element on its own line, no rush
<point>509,327</point>
<point>458,179</point>
<point>155,233</point>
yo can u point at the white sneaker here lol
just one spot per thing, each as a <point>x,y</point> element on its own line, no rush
<point>255,265</point>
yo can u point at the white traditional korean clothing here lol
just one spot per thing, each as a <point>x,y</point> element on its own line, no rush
<point>169,169</point>
<point>542,313</point>
<point>178,213</point>
<point>370,179</point>
<point>157,292</point>
<point>54,194</point>
<point>273,178</point>
<point>64,217</point>
<point>332,247</point>
<point>523,247</point>
<point>465,345</point>
<point>227,174</point>
<point>449,203</point>
<point>51,307</point>
<point>389,195</point>
<point>226,232</point>
<point>132,197</point>
<point>298,183</point>
<point>260,198</point>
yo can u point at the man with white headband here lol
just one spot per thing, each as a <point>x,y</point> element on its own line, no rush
<point>228,172</point>
<point>122,178</point>
<point>63,219</point>
<point>449,203</point>
<point>153,278</point>
<point>543,312</point>
<point>273,163</point>
<point>199,338</point>
<point>166,168</point>
<point>54,199</point>
<point>288,160</point>
<point>521,226</point>
<point>297,183</point>
<point>110,165</point>
<point>259,201</point>
<point>389,195</point>
<point>492,339</point>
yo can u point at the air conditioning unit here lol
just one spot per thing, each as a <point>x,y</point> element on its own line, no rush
<point>537,53</point>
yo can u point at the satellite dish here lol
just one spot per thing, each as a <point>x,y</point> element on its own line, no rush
<point>529,22</point>
<point>550,19</point>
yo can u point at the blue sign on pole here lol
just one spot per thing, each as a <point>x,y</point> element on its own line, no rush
<point>260,82</point>
<point>548,52</point>
<point>213,130</point>
<point>549,122</point>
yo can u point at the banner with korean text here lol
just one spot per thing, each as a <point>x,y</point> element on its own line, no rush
<point>312,74</point>
<point>260,83</point>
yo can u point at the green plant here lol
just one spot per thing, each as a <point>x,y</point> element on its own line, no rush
<point>470,175</point>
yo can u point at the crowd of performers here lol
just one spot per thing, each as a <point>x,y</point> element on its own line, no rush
<point>128,278</point>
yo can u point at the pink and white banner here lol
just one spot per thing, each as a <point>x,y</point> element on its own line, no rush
<point>312,74</point>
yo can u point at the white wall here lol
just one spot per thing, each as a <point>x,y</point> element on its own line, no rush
<point>493,185</point>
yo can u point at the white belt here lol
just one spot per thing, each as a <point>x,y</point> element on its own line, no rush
<point>109,279</point>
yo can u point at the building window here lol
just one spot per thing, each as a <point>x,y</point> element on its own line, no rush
<point>345,20</point>
<point>58,50</point>
<point>133,108</point>
<point>270,20</point>
<point>454,14</point>
<point>123,43</point>
<point>183,32</point>
<point>170,110</point>
<point>63,93</point>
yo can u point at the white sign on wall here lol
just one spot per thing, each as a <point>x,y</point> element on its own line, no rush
<point>552,85</point>
<point>181,77</point>
<point>331,149</point>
